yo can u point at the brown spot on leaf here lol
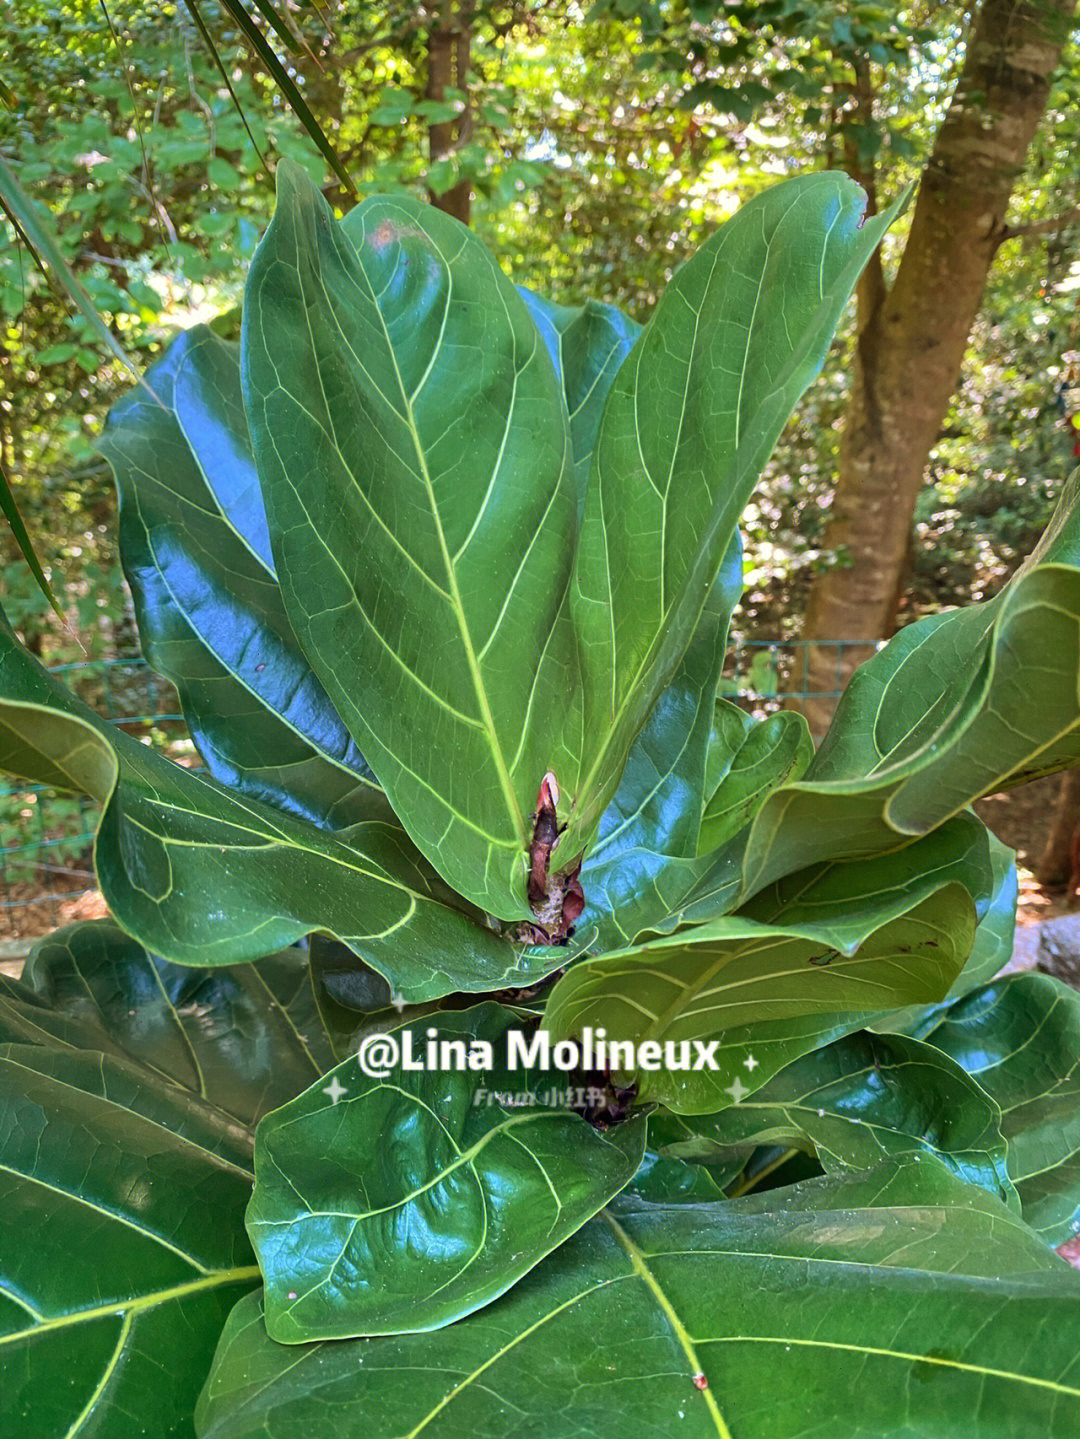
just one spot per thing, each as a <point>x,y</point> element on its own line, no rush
<point>387,232</point>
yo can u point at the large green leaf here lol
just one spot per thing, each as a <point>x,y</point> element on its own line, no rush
<point>655,812</point>
<point>751,1053</point>
<point>869,1097</point>
<point>1020,1038</point>
<point>425,572</point>
<point>954,706</point>
<point>692,417</point>
<point>904,1303</point>
<point>397,1204</point>
<point>129,1089</point>
<point>204,876</point>
<point>196,554</point>
<point>856,937</point>
<point>245,1039</point>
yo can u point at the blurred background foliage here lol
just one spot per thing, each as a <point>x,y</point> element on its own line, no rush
<point>592,145</point>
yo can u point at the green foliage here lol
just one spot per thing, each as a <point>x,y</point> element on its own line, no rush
<point>599,155</point>
<point>901,1292</point>
<point>493,1189</point>
<point>131,1088</point>
<point>443,573</point>
<point>868,1097</point>
<point>990,1033</point>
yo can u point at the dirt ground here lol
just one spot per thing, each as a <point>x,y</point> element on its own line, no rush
<point>1021,818</point>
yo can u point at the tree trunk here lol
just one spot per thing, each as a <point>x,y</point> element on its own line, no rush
<point>912,337</point>
<point>1055,867</point>
<point>449,47</point>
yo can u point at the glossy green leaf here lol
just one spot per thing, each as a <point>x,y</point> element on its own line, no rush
<point>129,1089</point>
<point>425,572</point>
<point>399,1204</point>
<point>196,554</point>
<point>989,955</point>
<point>901,1303</point>
<point>751,1053</point>
<point>953,707</point>
<point>639,868</point>
<point>1020,1039</point>
<point>870,1097</point>
<point>642,874</point>
<point>204,876</point>
<point>853,937</point>
<point>655,812</point>
<point>769,753</point>
<point>693,415</point>
<point>245,1039</point>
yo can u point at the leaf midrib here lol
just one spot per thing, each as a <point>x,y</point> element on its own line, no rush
<point>456,604</point>
<point>215,1279</point>
<point>642,1270</point>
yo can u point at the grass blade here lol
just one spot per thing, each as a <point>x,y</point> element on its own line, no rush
<point>22,539</point>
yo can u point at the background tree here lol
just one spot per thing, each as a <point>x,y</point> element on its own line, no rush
<point>874,89</point>
<point>912,333</point>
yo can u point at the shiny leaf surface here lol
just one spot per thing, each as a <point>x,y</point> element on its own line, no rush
<point>870,1097</point>
<point>639,867</point>
<point>129,1089</point>
<point>246,1039</point>
<point>400,1204</point>
<point>587,344</point>
<point>196,554</point>
<point>693,414</point>
<point>854,937</point>
<point>204,876</point>
<point>772,1045</point>
<point>769,753</point>
<point>1020,1039</point>
<point>901,1303</point>
<point>424,574</point>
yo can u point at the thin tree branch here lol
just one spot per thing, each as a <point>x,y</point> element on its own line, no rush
<point>1041,227</point>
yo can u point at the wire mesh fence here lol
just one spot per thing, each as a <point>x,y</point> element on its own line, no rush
<point>46,837</point>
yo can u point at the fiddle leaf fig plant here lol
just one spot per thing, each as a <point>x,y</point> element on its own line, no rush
<point>442,572</point>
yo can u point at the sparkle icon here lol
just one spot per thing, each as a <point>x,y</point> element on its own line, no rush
<point>750,1063</point>
<point>398,1002</point>
<point>335,1089</point>
<point>738,1091</point>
